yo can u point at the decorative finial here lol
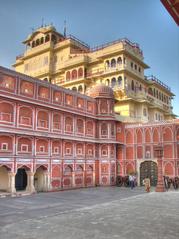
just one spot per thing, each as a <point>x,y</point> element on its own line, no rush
<point>65,29</point>
<point>42,25</point>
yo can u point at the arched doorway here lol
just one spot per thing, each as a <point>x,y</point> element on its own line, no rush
<point>4,180</point>
<point>39,179</point>
<point>21,179</point>
<point>149,169</point>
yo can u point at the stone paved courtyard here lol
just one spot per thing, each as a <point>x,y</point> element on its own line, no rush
<point>97,213</point>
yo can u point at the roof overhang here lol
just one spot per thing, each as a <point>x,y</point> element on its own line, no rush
<point>172,7</point>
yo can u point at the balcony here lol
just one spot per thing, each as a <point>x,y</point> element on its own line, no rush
<point>76,60</point>
<point>38,49</point>
<point>94,73</point>
<point>153,101</point>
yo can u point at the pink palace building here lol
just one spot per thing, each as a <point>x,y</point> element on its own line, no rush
<point>52,138</point>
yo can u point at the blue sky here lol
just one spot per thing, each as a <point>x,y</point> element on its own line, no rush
<point>97,22</point>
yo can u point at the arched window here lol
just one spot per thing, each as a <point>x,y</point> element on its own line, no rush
<point>155,136</point>
<point>33,44</point>
<point>129,137</point>
<point>139,136</point>
<point>167,134</point>
<point>74,88</point>
<point>80,72</point>
<point>79,168</point>
<point>68,169</point>
<point>119,81</point>
<point>54,39</point>
<point>113,63</point>
<point>177,134</point>
<point>107,82</point>
<point>80,89</point>
<point>41,40</point>
<point>107,64</point>
<point>132,85</point>
<point>68,76</point>
<point>154,92</point>
<point>159,95</point>
<point>150,92</point>
<point>90,168</point>
<point>113,82</point>
<point>74,74</point>
<point>119,60</point>
<point>145,112</point>
<point>47,38</point>
<point>147,136</point>
<point>37,42</point>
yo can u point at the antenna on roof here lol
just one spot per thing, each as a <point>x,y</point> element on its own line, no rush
<point>65,29</point>
<point>42,22</point>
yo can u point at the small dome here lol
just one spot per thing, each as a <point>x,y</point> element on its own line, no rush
<point>100,91</point>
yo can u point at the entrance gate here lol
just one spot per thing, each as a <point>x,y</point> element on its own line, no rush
<point>149,169</point>
<point>21,179</point>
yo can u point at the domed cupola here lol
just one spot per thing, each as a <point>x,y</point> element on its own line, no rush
<point>100,91</point>
<point>104,98</point>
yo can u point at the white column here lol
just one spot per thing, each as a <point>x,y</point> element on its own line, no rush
<point>93,177</point>
<point>11,186</point>
<point>47,184</point>
<point>73,179</point>
<point>30,182</point>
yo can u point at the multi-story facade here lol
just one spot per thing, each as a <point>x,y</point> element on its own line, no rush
<point>69,62</point>
<point>52,138</point>
<point>137,153</point>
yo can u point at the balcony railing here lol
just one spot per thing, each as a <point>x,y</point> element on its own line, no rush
<point>151,99</point>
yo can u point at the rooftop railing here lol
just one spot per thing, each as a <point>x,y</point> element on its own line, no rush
<point>123,40</point>
<point>78,40</point>
<point>153,78</point>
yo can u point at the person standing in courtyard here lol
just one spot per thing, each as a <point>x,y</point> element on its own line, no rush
<point>131,181</point>
<point>146,183</point>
